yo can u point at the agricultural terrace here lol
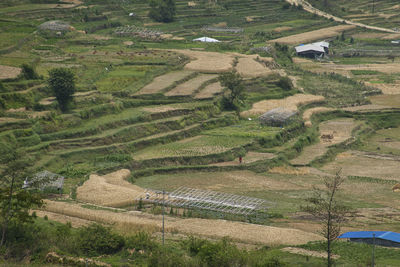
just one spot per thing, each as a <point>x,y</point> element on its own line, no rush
<point>150,113</point>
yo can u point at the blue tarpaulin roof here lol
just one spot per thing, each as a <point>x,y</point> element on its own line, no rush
<point>391,236</point>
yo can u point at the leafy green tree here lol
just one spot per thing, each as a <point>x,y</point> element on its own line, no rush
<point>28,72</point>
<point>96,240</point>
<point>162,10</point>
<point>62,82</point>
<point>235,96</point>
<point>16,202</point>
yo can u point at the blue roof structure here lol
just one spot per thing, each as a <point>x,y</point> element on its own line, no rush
<point>391,236</point>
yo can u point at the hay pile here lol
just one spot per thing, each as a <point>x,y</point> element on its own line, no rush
<point>110,190</point>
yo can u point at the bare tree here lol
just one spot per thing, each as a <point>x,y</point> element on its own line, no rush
<point>324,206</point>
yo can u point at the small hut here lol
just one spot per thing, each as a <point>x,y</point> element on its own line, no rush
<point>55,27</point>
<point>278,117</point>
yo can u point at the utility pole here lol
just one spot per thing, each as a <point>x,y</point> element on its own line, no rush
<point>373,250</point>
<point>163,208</point>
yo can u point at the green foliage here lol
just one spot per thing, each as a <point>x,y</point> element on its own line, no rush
<point>162,10</point>
<point>234,86</point>
<point>62,82</point>
<point>96,240</point>
<point>28,72</point>
<point>285,83</point>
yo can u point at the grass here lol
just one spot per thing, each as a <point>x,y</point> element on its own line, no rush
<point>356,254</point>
<point>247,129</point>
<point>196,146</point>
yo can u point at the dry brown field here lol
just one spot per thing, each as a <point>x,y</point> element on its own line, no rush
<point>291,103</point>
<point>249,68</point>
<point>309,112</point>
<point>110,190</point>
<point>237,231</point>
<point>339,129</point>
<point>209,91</point>
<point>8,72</point>
<point>365,164</point>
<point>189,87</point>
<point>311,36</point>
<point>161,82</point>
<point>210,62</point>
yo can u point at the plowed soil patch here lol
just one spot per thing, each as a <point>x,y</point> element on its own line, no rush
<point>311,36</point>
<point>109,190</point>
<point>209,91</point>
<point>163,81</point>
<point>237,231</point>
<point>8,72</point>
<point>248,67</point>
<point>189,87</point>
<point>291,102</point>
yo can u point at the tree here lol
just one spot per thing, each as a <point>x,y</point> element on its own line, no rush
<point>28,72</point>
<point>162,10</point>
<point>62,82</point>
<point>234,86</point>
<point>15,202</point>
<point>331,213</point>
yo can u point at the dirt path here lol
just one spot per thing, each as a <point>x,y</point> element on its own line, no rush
<point>309,8</point>
<point>306,252</point>
<point>237,231</point>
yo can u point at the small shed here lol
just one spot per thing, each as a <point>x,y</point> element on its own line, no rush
<point>313,50</point>
<point>382,238</point>
<point>45,180</point>
<point>278,117</point>
<point>206,40</point>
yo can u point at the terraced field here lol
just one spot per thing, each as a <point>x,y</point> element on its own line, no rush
<point>149,114</point>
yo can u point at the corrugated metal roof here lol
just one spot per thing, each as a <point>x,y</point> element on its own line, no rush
<point>309,47</point>
<point>323,44</point>
<point>386,235</point>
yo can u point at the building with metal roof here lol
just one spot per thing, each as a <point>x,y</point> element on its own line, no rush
<point>381,238</point>
<point>278,117</point>
<point>45,180</point>
<point>318,49</point>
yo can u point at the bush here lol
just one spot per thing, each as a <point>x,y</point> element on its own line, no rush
<point>285,83</point>
<point>28,72</point>
<point>96,240</point>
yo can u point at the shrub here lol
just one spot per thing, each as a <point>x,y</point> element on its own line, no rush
<point>96,240</point>
<point>28,72</point>
<point>285,83</point>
